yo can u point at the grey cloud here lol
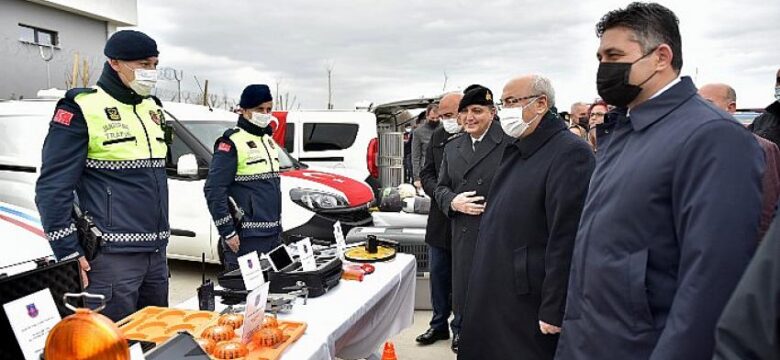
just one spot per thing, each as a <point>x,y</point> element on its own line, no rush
<point>389,50</point>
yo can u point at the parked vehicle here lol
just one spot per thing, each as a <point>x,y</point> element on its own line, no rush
<point>332,139</point>
<point>22,241</point>
<point>313,199</point>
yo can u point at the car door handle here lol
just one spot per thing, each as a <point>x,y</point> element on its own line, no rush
<point>180,232</point>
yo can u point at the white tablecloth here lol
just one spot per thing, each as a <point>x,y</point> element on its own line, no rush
<point>354,319</point>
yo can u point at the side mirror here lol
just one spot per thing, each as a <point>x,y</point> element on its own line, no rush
<point>187,165</point>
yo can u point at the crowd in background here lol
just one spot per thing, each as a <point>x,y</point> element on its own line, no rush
<point>619,230</point>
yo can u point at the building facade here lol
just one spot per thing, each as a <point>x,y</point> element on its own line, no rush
<point>34,31</point>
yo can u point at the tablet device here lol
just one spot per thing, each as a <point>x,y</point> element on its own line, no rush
<point>279,258</point>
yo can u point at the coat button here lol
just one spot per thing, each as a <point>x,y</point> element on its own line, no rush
<point>479,182</point>
<point>464,229</point>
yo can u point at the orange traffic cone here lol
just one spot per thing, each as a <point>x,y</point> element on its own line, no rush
<point>389,352</point>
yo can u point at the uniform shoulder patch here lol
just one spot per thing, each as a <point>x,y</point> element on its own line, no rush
<point>224,146</point>
<point>63,117</point>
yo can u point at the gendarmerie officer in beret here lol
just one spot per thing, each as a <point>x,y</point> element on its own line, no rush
<point>465,177</point>
<point>245,167</point>
<point>107,144</point>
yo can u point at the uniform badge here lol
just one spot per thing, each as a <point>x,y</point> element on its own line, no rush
<point>113,114</point>
<point>155,117</point>
<point>488,96</point>
<point>63,117</point>
<point>251,144</point>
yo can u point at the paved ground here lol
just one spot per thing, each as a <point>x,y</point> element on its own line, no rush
<point>186,276</point>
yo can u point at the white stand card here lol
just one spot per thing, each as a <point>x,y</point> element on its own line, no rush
<point>255,312</point>
<point>341,244</point>
<point>251,271</point>
<point>307,255</point>
<point>32,317</point>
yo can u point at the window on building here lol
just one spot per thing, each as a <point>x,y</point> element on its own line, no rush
<point>37,36</point>
<point>326,136</point>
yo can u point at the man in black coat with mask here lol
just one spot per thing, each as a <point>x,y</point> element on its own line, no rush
<point>464,182</point>
<point>438,234</point>
<point>672,206</point>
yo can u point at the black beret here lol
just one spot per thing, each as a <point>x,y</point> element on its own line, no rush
<point>130,45</point>
<point>476,95</point>
<point>255,95</point>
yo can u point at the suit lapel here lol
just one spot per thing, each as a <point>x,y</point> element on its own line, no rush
<point>464,148</point>
<point>488,144</point>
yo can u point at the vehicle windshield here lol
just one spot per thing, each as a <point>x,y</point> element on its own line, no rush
<point>207,133</point>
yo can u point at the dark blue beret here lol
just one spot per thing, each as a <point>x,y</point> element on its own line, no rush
<point>255,95</point>
<point>130,45</point>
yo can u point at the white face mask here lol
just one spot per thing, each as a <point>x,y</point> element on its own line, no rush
<point>144,81</point>
<point>512,122</point>
<point>260,119</point>
<point>777,93</point>
<point>451,125</point>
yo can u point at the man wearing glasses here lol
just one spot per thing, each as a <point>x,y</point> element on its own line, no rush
<point>517,288</point>
<point>465,178</point>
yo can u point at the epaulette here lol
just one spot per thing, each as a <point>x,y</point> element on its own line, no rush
<point>453,137</point>
<point>230,132</point>
<point>72,93</point>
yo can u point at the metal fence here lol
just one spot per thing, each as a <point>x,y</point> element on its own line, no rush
<point>391,159</point>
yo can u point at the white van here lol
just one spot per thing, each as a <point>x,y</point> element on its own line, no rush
<point>333,139</point>
<point>24,125</point>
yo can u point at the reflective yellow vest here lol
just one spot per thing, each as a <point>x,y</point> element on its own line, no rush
<point>121,135</point>
<point>258,156</point>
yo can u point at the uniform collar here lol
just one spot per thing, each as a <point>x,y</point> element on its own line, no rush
<point>110,83</point>
<point>549,125</point>
<point>253,129</point>
<point>663,103</point>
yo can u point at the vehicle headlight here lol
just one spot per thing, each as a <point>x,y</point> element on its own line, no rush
<point>317,199</point>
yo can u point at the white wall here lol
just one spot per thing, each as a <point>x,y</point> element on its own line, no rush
<point>121,12</point>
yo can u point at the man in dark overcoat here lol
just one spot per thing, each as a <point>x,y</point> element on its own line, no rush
<point>517,288</point>
<point>464,182</point>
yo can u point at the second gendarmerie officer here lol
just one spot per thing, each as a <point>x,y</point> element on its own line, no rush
<point>107,144</point>
<point>245,168</point>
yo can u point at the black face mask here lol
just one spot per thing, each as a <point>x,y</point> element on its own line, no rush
<point>612,82</point>
<point>583,121</point>
<point>432,124</point>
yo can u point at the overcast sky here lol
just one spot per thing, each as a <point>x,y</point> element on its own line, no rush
<point>384,50</point>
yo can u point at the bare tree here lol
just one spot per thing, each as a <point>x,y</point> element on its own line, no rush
<point>80,74</point>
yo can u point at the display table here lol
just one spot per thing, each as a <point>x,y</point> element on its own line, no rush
<point>354,319</point>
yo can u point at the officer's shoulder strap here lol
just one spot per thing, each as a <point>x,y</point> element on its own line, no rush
<point>229,132</point>
<point>156,100</point>
<point>453,137</point>
<point>72,93</point>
